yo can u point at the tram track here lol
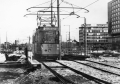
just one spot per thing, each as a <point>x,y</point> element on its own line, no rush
<point>98,68</point>
<point>103,64</point>
<point>92,78</point>
<point>32,69</point>
<point>67,81</point>
<point>60,77</point>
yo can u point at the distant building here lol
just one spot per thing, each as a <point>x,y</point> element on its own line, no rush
<point>97,37</point>
<point>70,47</point>
<point>114,22</point>
<point>16,42</point>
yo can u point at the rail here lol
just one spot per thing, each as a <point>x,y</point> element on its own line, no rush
<point>98,68</point>
<point>103,64</point>
<point>97,80</point>
<point>60,77</point>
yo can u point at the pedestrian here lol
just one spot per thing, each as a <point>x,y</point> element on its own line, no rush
<point>26,53</point>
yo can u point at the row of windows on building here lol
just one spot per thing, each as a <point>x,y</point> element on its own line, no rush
<point>97,41</point>
<point>95,31</point>
<point>115,3</point>
<point>116,39</point>
<point>116,26</point>
<point>98,34</point>
<point>116,10</point>
<point>115,30</point>
<point>115,6</point>
<point>116,22</point>
<point>115,18</point>
<point>99,37</point>
<point>94,38</point>
<point>94,34</point>
<point>115,15</point>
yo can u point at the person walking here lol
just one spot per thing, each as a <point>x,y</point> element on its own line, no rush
<point>26,53</point>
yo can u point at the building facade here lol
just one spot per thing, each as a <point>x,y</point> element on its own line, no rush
<point>70,47</point>
<point>96,36</point>
<point>114,22</point>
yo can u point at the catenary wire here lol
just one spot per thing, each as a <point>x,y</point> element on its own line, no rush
<point>80,9</point>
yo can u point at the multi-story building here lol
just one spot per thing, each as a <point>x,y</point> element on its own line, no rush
<point>96,36</point>
<point>114,22</point>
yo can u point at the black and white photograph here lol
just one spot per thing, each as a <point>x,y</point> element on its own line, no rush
<point>59,41</point>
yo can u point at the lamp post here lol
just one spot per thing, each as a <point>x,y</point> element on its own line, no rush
<point>69,31</point>
<point>66,40</point>
<point>85,35</point>
<point>69,37</point>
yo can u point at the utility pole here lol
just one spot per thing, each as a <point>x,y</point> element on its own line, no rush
<point>29,44</point>
<point>69,33</point>
<point>29,39</point>
<point>66,41</point>
<point>58,18</point>
<point>6,41</point>
<point>85,37</point>
<point>51,13</point>
<point>69,39</point>
<point>0,43</point>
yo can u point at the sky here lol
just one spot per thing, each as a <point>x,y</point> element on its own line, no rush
<point>15,26</point>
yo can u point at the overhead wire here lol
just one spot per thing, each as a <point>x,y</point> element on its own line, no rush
<point>37,5</point>
<point>42,9</point>
<point>74,5</point>
<point>81,9</point>
<point>61,2</point>
<point>88,5</point>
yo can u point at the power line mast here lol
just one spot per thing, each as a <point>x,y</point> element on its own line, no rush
<point>6,41</point>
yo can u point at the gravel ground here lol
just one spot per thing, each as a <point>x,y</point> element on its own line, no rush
<point>43,76</point>
<point>8,75</point>
<point>107,68</point>
<point>113,61</point>
<point>78,79</point>
<point>96,73</point>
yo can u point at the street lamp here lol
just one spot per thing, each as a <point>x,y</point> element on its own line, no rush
<point>69,37</point>
<point>69,31</point>
<point>85,35</point>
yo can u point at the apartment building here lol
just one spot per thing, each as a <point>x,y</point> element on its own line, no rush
<point>96,36</point>
<point>114,22</point>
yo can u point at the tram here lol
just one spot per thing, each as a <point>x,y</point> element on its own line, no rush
<point>46,43</point>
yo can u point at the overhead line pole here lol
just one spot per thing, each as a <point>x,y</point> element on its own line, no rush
<point>85,37</point>
<point>51,13</point>
<point>58,18</point>
<point>6,40</point>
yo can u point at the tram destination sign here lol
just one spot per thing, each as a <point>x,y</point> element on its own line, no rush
<point>50,28</point>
